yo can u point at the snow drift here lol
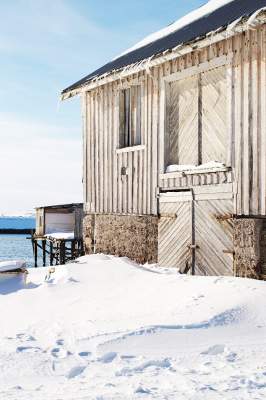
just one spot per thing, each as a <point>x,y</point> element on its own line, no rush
<point>105,328</point>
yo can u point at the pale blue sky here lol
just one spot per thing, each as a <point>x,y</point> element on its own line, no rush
<point>44,47</point>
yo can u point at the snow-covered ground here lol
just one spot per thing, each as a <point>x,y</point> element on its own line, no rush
<point>104,328</point>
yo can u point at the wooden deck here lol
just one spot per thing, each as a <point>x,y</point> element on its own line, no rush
<point>56,251</point>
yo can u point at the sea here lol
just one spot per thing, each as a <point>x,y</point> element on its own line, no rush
<point>16,246</point>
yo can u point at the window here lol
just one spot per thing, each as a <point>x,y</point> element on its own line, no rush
<point>196,118</point>
<point>130,116</point>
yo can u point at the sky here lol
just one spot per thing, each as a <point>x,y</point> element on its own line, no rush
<point>44,47</point>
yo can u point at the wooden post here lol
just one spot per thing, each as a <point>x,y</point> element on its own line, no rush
<point>51,254</point>
<point>73,250</point>
<point>35,254</point>
<point>44,253</point>
<point>62,252</point>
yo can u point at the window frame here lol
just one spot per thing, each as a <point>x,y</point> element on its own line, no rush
<point>217,62</point>
<point>130,139</point>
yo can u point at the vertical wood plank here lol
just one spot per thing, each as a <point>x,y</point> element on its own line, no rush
<point>84,135</point>
<point>110,134</point>
<point>106,192</point>
<point>154,142</point>
<point>145,140</point>
<point>96,159</point>
<point>124,184</point>
<point>130,184</point>
<point>136,181</point>
<point>119,184</point>
<point>149,133</point>
<point>247,149</point>
<point>115,145</point>
<point>161,116</point>
<point>262,96</point>
<point>140,189</point>
<point>254,132</point>
<point>92,150</point>
<point>101,149</point>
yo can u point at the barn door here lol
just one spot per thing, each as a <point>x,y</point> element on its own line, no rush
<point>196,234</point>
<point>175,232</point>
<point>214,237</point>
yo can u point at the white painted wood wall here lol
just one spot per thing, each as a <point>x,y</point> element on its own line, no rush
<point>107,191</point>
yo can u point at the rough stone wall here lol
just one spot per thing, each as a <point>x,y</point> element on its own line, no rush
<point>88,233</point>
<point>249,247</point>
<point>132,236</point>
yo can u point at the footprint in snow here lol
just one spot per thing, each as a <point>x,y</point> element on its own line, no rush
<point>231,357</point>
<point>141,390</point>
<point>108,357</point>
<point>157,364</point>
<point>25,337</point>
<point>28,349</point>
<point>84,354</point>
<point>214,350</point>
<point>74,372</point>
<point>59,352</point>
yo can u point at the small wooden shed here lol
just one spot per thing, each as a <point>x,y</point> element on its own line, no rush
<point>60,219</point>
<point>175,145</point>
<point>59,233</point>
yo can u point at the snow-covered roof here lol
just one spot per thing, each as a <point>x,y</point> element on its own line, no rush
<point>215,14</point>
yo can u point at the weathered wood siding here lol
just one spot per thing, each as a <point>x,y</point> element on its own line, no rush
<point>108,191</point>
<point>40,223</point>
<point>200,221</point>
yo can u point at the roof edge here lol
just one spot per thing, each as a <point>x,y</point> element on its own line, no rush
<point>238,26</point>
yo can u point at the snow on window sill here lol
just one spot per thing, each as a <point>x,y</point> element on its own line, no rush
<point>131,148</point>
<point>201,169</point>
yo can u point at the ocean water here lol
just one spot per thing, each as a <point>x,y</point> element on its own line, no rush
<point>17,222</point>
<point>16,246</point>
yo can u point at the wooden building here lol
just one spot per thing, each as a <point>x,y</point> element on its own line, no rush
<point>59,233</point>
<point>175,145</point>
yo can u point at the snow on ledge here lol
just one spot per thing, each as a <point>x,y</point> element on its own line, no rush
<point>212,165</point>
<point>60,235</point>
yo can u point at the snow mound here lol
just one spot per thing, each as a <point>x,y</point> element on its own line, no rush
<point>10,265</point>
<point>106,328</point>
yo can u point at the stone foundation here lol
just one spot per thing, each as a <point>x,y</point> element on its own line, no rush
<point>132,236</point>
<point>250,247</point>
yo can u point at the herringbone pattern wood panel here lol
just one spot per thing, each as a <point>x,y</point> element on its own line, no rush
<point>214,237</point>
<point>214,115</point>
<point>175,235</point>
<point>183,121</point>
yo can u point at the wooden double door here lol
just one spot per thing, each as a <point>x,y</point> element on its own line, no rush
<point>196,232</point>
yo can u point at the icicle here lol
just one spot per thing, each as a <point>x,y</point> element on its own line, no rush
<point>231,28</point>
